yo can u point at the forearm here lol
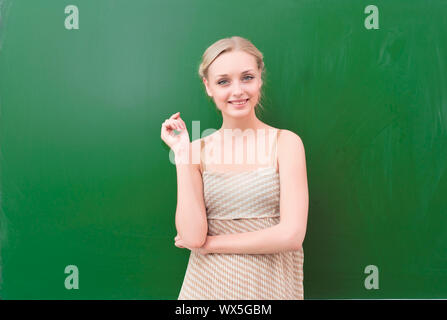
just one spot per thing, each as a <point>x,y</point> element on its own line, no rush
<point>266,241</point>
<point>190,216</point>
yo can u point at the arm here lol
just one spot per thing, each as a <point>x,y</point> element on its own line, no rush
<point>289,233</point>
<point>190,216</point>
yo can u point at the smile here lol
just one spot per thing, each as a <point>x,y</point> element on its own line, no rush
<point>239,103</point>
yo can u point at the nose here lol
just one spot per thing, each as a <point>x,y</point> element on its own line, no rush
<point>237,89</point>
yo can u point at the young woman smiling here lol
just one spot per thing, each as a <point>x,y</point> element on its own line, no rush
<point>244,222</point>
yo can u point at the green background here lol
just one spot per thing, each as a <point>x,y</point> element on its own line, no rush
<point>87,181</point>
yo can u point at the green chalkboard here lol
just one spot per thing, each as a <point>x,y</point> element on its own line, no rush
<point>86,180</point>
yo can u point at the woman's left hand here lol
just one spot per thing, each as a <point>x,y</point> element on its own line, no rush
<point>180,244</point>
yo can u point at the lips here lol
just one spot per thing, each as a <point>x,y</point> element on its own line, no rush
<point>238,102</point>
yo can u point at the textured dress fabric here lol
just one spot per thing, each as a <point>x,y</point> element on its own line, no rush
<point>239,202</point>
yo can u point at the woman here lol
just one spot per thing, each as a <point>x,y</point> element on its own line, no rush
<point>243,222</point>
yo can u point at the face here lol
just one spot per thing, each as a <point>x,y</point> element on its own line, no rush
<point>234,82</point>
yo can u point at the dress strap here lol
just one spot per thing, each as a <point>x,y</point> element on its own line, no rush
<point>202,156</point>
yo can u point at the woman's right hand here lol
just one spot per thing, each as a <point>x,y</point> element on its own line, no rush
<point>177,142</point>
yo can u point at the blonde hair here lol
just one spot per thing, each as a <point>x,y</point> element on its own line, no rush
<point>234,43</point>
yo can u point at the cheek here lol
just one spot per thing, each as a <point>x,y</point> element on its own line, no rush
<point>254,86</point>
<point>255,90</point>
<point>222,96</point>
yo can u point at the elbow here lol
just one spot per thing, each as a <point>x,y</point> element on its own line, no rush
<point>196,242</point>
<point>195,238</point>
<point>196,245</point>
<point>294,240</point>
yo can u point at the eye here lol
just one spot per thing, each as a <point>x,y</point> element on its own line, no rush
<point>223,82</point>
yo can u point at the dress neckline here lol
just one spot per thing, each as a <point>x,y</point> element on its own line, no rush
<point>273,166</point>
<point>239,172</point>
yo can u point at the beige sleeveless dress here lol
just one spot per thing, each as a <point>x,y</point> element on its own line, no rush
<point>239,202</point>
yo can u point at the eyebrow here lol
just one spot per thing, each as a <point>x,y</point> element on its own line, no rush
<point>223,75</point>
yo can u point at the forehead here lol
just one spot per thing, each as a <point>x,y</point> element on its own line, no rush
<point>232,63</point>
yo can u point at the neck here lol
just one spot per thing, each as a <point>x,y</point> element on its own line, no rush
<point>248,122</point>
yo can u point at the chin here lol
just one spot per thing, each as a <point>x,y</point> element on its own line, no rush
<point>239,113</point>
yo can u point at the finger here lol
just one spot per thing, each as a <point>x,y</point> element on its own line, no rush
<point>179,244</point>
<point>177,125</point>
<point>166,125</point>
<point>170,124</point>
<point>165,130</point>
<point>175,115</point>
<point>183,123</point>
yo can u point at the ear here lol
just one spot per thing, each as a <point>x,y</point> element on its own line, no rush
<point>205,82</point>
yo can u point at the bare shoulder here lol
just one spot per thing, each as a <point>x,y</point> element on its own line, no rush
<point>291,154</point>
<point>288,139</point>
